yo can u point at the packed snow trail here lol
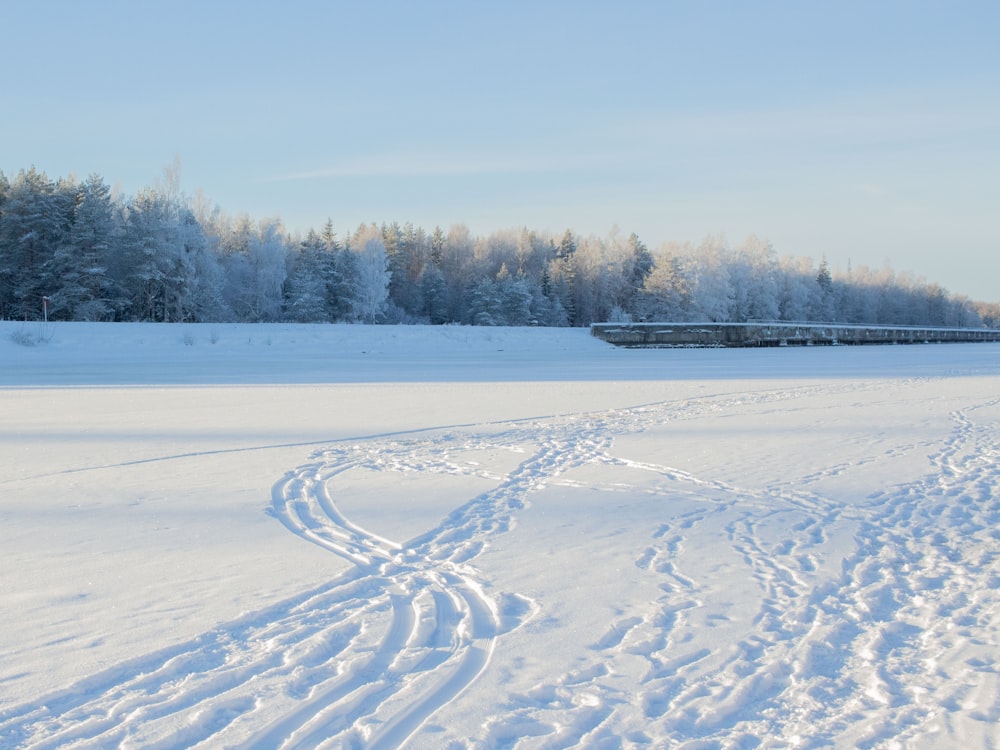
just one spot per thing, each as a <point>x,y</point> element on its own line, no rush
<point>865,623</point>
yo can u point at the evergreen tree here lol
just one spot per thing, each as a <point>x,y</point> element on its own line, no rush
<point>37,215</point>
<point>85,291</point>
<point>159,268</point>
<point>515,302</point>
<point>563,276</point>
<point>437,246</point>
<point>434,293</point>
<point>329,237</point>
<point>154,257</point>
<point>341,284</point>
<point>485,305</point>
<point>826,308</point>
<point>305,295</point>
<point>567,246</point>
<point>640,266</point>
<point>339,273</point>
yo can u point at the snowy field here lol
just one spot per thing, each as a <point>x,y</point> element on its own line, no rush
<point>346,536</point>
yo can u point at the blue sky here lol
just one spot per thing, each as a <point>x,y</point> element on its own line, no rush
<point>866,132</point>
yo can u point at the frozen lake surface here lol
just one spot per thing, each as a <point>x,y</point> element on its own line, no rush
<point>433,537</point>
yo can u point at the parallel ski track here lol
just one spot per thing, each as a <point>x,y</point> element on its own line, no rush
<point>368,658</point>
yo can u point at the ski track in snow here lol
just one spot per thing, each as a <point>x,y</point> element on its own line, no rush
<point>874,656</point>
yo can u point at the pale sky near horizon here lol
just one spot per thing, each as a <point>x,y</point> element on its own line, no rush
<point>865,132</point>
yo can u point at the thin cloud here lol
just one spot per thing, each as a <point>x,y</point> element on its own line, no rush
<point>443,165</point>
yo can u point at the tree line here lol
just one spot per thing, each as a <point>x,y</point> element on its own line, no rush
<point>73,250</point>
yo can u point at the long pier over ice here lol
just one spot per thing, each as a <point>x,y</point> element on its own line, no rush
<point>779,334</point>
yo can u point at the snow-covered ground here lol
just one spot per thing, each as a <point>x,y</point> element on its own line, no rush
<point>347,536</point>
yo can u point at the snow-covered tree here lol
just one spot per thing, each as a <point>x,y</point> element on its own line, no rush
<point>205,300</point>
<point>35,219</point>
<point>255,270</point>
<point>515,299</point>
<point>80,262</point>
<point>159,266</point>
<point>485,304</point>
<point>638,266</point>
<point>434,295</point>
<point>457,267</point>
<point>373,275</point>
<point>266,256</point>
<point>799,293</point>
<point>159,256</point>
<point>305,286</point>
<point>664,294</point>
<point>707,270</point>
<point>754,280</point>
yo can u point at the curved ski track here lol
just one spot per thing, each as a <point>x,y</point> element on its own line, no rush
<point>367,659</point>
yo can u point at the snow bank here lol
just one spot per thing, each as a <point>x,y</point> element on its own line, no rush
<point>165,353</point>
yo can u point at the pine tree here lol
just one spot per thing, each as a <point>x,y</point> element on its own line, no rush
<point>86,292</point>
<point>640,266</point>
<point>328,236</point>
<point>563,273</point>
<point>485,305</point>
<point>827,300</point>
<point>567,246</point>
<point>37,214</point>
<point>437,246</point>
<point>515,302</point>
<point>434,293</point>
<point>305,295</point>
<point>156,266</point>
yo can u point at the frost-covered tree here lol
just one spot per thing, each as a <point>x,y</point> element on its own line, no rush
<point>305,285</point>
<point>414,254</point>
<point>547,310</point>
<point>825,308</point>
<point>515,299</point>
<point>707,271</point>
<point>457,254</point>
<point>160,256</point>
<point>437,241</point>
<point>799,293</point>
<point>563,275</point>
<point>36,217</point>
<point>754,279</point>
<point>485,304</point>
<point>205,300</point>
<point>639,266</point>
<point>159,269</point>
<point>266,257</point>
<point>373,275</point>
<point>664,295</point>
<point>80,262</point>
<point>255,270</point>
<point>434,295</point>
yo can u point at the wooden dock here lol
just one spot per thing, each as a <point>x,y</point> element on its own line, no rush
<point>779,334</point>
